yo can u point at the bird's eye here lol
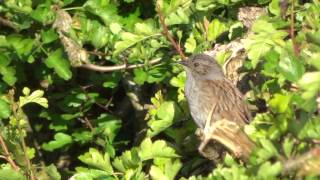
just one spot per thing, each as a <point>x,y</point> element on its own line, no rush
<point>196,64</point>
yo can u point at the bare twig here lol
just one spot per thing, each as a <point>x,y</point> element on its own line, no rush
<point>167,34</point>
<point>27,160</point>
<point>292,30</point>
<point>9,24</point>
<point>302,162</point>
<point>88,123</point>
<point>117,67</point>
<point>7,155</point>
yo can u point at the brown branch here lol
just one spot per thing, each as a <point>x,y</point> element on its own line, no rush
<point>167,34</point>
<point>88,123</point>
<point>296,49</point>
<point>27,160</point>
<point>7,155</point>
<point>117,67</point>
<point>302,162</point>
<point>9,24</point>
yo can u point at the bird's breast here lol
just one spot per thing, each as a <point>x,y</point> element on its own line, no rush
<point>199,104</point>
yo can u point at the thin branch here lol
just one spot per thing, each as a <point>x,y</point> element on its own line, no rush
<point>27,160</point>
<point>9,24</point>
<point>7,155</point>
<point>88,123</point>
<point>300,161</point>
<point>292,30</point>
<point>167,34</point>
<point>117,67</point>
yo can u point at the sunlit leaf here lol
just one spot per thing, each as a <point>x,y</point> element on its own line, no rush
<point>157,149</point>
<point>60,140</point>
<point>5,110</point>
<point>61,66</point>
<point>96,159</point>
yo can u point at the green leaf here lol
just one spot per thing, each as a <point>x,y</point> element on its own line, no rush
<point>310,130</point>
<point>280,103</point>
<point>288,145</point>
<point>314,60</point>
<point>268,146</point>
<point>235,30</point>
<point>60,140</point>
<point>310,83</point>
<point>128,40</point>
<point>158,149</point>
<point>290,67</point>
<point>165,168</point>
<point>140,76</point>
<point>179,80</point>
<point>108,126</point>
<point>157,174</point>
<point>164,118</point>
<point>128,160</point>
<point>49,36</point>
<point>268,170</point>
<point>3,41</point>
<point>256,49</point>
<point>112,80</point>
<point>52,172</point>
<point>35,97</point>
<point>115,28</point>
<point>61,66</point>
<point>108,12</point>
<point>147,28</point>
<point>43,13</point>
<point>5,110</point>
<point>23,46</point>
<point>215,29</point>
<point>98,35</point>
<point>7,72</point>
<point>10,174</point>
<point>274,7</point>
<point>205,5</point>
<point>176,12</point>
<point>82,136</point>
<point>265,38</point>
<point>95,159</point>
<point>190,44</point>
<point>180,16</point>
<point>91,174</point>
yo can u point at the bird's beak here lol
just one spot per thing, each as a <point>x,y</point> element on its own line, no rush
<point>184,63</point>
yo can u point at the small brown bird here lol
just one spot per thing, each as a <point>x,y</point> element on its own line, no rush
<point>210,95</point>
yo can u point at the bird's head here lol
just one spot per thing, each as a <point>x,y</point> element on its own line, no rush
<point>202,65</point>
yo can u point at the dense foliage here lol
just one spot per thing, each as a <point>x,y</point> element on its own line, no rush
<point>60,119</point>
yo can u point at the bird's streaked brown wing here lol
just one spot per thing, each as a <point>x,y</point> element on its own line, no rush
<point>226,100</point>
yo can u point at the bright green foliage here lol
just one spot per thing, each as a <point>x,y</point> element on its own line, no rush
<point>60,64</point>
<point>72,122</point>
<point>60,140</point>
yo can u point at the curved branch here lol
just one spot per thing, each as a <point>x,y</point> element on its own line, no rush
<point>167,34</point>
<point>7,155</point>
<point>117,67</point>
<point>8,23</point>
<point>302,162</point>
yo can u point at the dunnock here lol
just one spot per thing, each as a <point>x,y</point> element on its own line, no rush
<point>210,95</point>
